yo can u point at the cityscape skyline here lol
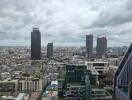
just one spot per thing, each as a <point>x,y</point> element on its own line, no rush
<point>65,50</point>
<point>65,22</point>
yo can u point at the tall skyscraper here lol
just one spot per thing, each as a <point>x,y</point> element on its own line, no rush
<point>35,44</point>
<point>101,46</point>
<point>89,46</point>
<point>123,77</point>
<point>130,90</point>
<point>50,50</point>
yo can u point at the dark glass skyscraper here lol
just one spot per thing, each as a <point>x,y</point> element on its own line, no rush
<point>130,90</point>
<point>123,78</point>
<point>89,46</point>
<point>50,50</point>
<point>35,44</point>
<point>101,46</point>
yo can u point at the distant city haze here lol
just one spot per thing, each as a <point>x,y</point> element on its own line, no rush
<point>65,22</point>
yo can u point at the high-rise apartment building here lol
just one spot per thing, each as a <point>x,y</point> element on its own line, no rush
<point>89,46</point>
<point>101,46</point>
<point>50,50</point>
<point>35,44</point>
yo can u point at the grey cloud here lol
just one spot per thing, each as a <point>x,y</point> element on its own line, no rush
<point>114,16</point>
<point>113,21</point>
<point>64,20</point>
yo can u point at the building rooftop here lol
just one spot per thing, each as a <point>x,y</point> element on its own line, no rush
<point>51,90</point>
<point>4,81</point>
<point>21,96</point>
<point>96,62</point>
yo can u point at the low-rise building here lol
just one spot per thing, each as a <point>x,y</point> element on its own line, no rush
<point>31,85</point>
<point>8,86</point>
<point>100,66</point>
<point>5,75</point>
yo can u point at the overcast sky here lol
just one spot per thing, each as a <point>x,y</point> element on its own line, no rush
<point>65,22</point>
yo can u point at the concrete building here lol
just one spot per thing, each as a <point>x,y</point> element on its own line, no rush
<point>50,50</point>
<point>22,96</point>
<point>8,86</point>
<point>101,46</point>
<point>5,75</point>
<point>35,44</point>
<point>100,66</point>
<point>31,85</point>
<point>89,46</point>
